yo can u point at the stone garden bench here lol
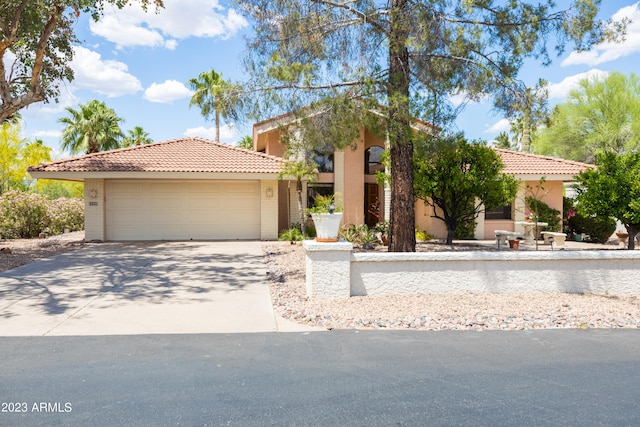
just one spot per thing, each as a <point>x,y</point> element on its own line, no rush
<point>503,235</point>
<point>558,238</point>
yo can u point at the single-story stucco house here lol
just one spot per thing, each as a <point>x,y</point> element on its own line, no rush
<point>188,188</point>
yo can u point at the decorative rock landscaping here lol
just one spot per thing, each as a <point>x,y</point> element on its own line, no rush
<point>466,311</point>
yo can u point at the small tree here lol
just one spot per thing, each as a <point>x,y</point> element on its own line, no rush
<point>613,190</point>
<point>460,178</point>
<point>36,47</point>
<point>16,155</point>
<point>300,170</point>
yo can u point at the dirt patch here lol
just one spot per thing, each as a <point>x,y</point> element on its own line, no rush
<point>18,252</point>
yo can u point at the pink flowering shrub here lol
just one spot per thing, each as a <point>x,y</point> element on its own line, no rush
<point>25,215</point>
<point>65,213</point>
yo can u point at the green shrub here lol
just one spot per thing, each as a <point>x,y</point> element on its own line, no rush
<point>360,235</point>
<point>65,213</point>
<point>292,235</point>
<point>465,230</point>
<point>598,229</point>
<point>545,213</point>
<point>423,236</point>
<point>26,215</point>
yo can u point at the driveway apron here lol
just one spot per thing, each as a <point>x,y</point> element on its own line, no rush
<point>139,288</point>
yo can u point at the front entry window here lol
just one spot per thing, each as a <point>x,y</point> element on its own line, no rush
<point>373,160</point>
<point>314,190</point>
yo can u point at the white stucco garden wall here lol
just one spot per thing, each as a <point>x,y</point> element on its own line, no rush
<point>598,272</point>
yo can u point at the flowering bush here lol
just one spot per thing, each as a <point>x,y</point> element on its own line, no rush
<point>25,215</point>
<point>65,213</point>
<point>532,216</point>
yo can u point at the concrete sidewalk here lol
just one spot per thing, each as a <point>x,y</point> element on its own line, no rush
<point>141,288</point>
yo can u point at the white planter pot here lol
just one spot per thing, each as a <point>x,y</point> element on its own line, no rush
<point>327,226</point>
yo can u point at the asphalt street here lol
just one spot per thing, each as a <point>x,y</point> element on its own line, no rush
<point>360,378</point>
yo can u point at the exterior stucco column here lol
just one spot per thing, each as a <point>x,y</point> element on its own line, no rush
<point>338,172</point>
<point>94,210</point>
<point>328,269</point>
<point>269,210</point>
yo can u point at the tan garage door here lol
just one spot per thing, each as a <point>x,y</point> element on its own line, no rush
<point>170,210</point>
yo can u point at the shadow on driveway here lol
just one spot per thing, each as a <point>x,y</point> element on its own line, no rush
<point>107,276</point>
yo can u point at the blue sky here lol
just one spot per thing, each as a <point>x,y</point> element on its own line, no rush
<point>139,65</point>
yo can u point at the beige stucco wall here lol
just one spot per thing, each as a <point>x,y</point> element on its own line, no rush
<point>269,209</point>
<point>94,209</point>
<point>354,183</point>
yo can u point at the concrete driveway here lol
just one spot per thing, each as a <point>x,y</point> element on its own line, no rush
<point>140,288</point>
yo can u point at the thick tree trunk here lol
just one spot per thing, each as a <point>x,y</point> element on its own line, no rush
<point>402,236</point>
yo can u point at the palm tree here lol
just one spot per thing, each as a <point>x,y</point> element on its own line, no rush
<point>246,142</point>
<point>137,136</point>
<point>93,127</point>
<point>215,97</point>
<point>299,170</point>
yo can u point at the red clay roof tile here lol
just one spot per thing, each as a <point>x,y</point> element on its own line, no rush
<point>519,163</point>
<point>191,154</point>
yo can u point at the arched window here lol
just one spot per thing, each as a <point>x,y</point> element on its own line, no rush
<point>373,160</point>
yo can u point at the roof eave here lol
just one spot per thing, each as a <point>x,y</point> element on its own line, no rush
<point>81,176</point>
<point>547,177</point>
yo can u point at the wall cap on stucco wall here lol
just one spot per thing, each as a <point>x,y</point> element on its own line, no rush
<point>495,256</point>
<point>313,246</point>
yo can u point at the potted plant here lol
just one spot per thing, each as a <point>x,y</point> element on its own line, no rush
<point>326,215</point>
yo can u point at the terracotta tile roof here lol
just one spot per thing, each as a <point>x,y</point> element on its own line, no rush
<point>190,154</point>
<point>519,163</point>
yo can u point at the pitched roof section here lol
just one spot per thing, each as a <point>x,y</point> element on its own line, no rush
<point>190,154</point>
<point>519,163</point>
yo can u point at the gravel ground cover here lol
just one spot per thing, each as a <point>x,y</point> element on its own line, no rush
<point>471,311</point>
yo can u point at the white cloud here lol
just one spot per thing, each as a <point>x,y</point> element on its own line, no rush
<point>180,19</point>
<point>503,125</point>
<point>167,92</point>
<point>607,52</point>
<point>227,132</point>
<point>561,90</point>
<point>106,77</point>
<point>46,134</point>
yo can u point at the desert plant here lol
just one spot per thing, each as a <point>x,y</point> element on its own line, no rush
<point>292,234</point>
<point>423,236</point>
<point>325,204</point>
<point>360,235</point>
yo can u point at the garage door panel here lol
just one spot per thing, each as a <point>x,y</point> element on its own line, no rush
<point>123,202</point>
<point>206,205</point>
<point>182,210</point>
<point>203,188</point>
<point>167,201</point>
<point>128,187</point>
<point>157,188</point>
